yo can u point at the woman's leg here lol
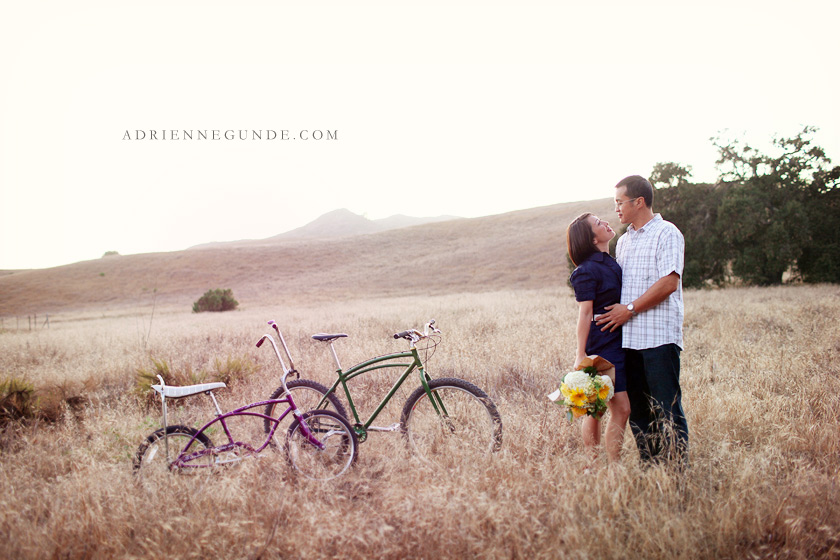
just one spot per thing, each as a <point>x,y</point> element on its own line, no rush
<point>590,429</point>
<point>619,407</point>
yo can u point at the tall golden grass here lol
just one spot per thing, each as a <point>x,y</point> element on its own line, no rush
<point>761,391</point>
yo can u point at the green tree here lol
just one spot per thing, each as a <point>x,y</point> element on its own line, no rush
<point>766,214</point>
<point>669,174</point>
<point>764,228</point>
<point>693,208</point>
<point>820,260</point>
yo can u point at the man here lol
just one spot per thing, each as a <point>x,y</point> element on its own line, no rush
<point>651,255</point>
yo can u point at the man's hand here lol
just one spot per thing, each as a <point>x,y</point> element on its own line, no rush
<point>615,316</point>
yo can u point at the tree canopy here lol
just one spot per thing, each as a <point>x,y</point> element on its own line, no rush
<point>769,217</point>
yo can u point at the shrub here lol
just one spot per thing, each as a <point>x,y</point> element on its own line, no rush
<point>233,370</point>
<point>55,400</point>
<point>229,371</point>
<point>215,300</point>
<point>20,401</point>
<point>146,377</point>
<point>17,400</point>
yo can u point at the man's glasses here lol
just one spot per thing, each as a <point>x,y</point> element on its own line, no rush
<point>618,203</point>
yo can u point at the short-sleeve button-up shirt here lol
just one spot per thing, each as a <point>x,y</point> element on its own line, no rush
<point>652,252</point>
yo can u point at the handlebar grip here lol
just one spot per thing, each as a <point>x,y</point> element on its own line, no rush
<point>260,342</point>
<point>403,334</point>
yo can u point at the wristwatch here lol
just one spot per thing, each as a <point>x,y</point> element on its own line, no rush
<point>631,308</point>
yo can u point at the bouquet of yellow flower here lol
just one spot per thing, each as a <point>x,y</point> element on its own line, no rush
<point>586,392</point>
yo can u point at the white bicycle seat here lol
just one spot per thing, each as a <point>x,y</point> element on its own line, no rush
<point>171,392</point>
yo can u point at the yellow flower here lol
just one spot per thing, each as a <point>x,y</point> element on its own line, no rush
<point>578,397</point>
<point>578,412</point>
<point>565,390</point>
<point>604,392</point>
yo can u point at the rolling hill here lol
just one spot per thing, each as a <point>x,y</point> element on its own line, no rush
<point>522,249</point>
<point>339,223</point>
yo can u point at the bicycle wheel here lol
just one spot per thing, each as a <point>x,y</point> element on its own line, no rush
<point>307,394</point>
<point>331,429</point>
<point>150,461</point>
<point>467,424</point>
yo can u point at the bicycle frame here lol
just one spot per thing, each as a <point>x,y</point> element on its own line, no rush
<point>380,362</point>
<point>183,460</point>
<point>451,416</point>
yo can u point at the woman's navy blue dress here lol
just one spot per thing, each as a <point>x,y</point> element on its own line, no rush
<point>598,279</point>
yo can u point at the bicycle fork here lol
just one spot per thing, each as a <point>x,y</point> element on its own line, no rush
<point>437,402</point>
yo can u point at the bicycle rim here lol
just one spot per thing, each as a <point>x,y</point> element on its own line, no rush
<point>459,424</point>
<point>150,463</point>
<point>338,438</point>
<point>308,395</point>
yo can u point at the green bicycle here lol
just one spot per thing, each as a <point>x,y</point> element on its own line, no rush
<point>442,417</point>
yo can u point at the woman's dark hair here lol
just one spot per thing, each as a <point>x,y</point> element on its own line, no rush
<point>579,239</point>
<point>638,186</point>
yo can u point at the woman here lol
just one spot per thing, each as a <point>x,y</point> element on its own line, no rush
<point>597,283</point>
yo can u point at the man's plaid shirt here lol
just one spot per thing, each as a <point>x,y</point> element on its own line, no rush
<point>654,251</point>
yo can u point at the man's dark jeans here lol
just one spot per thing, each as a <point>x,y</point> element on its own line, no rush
<point>656,414</point>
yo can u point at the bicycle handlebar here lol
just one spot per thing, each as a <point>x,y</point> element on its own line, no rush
<point>414,335</point>
<point>286,370</point>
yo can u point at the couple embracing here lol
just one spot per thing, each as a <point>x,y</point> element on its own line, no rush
<point>631,313</point>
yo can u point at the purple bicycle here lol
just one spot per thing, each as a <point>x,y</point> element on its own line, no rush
<point>320,444</point>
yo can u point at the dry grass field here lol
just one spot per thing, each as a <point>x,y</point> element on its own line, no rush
<point>762,395</point>
<point>760,377</point>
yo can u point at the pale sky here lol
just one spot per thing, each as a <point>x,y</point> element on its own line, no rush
<point>436,107</point>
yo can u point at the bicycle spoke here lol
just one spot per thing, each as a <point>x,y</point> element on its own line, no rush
<point>151,465</point>
<point>470,426</point>
<point>338,438</point>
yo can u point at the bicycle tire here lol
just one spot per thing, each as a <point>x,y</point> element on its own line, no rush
<point>307,394</point>
<point>150,459</point>
<point>335,432</point>
<point>471,425</point>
